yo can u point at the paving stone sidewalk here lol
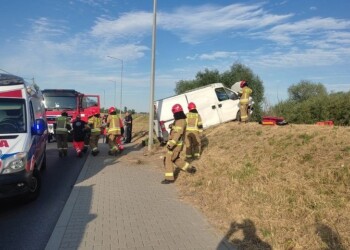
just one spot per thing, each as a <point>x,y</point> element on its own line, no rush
<point>119,204</point>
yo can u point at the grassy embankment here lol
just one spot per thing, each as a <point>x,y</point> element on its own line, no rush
<point>272,186</point>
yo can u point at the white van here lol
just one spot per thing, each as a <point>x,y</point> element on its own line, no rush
<point>215,103</point>
<point>23,137</point>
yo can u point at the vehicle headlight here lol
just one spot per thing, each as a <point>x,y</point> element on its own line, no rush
<point>14,163</point>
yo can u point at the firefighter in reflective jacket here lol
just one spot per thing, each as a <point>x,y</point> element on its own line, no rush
<point>95,124</point>
<point>175,146</point>
<point>193,130</point>
<point>62,128</point>
<point>244,100</point>
<point>114,131</point>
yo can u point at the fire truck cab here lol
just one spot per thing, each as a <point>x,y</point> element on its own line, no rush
<point>73,102</point>
<point>23,137</point>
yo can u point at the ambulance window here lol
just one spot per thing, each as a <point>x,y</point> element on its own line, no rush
<point>12,115</point>
<point>221,94</point>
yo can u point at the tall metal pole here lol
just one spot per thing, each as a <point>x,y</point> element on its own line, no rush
<point>121,90</point>
<point>151,102</point>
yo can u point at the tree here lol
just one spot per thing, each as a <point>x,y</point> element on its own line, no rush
<point>305,90</point>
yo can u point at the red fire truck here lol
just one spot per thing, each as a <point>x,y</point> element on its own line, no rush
<point>73,102</point>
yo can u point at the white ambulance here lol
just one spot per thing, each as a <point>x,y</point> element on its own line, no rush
<point>23,138</point>
<point>215,103</point>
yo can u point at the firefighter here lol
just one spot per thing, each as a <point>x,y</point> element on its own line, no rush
<point>244,100</point>
<point>175,146</point>
<point>62,127</point>
<point>194,129</point>
<point>95,124</point>
<point>79,131</point>
<point>114,131</point>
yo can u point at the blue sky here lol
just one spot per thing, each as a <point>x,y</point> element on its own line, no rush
<point>66,44</point>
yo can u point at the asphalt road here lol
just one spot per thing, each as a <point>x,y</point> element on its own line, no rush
<point>29,226</point>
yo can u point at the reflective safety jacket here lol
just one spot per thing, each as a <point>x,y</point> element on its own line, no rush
<point>95,124</point>
<point>194,122</point>
<point>114,125</point>
<point>177,134</point>
<point>246,91</point>
<point>61,125</point>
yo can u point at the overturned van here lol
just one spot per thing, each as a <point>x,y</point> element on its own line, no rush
<point>23,137</point>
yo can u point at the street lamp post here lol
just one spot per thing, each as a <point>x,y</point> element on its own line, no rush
<point>153,61</point>
<point>121,82</point>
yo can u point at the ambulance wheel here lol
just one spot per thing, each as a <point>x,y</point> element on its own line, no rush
<point>34,186</point>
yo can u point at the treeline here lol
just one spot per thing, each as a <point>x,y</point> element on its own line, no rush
<point>309,103</point>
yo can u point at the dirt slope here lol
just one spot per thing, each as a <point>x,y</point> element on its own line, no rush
<point>273,187</point>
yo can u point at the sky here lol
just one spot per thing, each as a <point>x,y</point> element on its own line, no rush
<point>104,47</point>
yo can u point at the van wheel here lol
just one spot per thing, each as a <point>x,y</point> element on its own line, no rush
<point>238,117</point>
<point>34,188</point>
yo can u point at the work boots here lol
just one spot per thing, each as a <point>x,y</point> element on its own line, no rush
<point>192,170</point>
<point>165,181</point>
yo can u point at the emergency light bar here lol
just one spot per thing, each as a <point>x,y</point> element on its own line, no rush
<point>8,80</point>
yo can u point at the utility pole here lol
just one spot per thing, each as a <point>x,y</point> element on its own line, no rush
<point>151,101</point>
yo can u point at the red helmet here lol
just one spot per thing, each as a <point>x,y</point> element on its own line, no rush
<point>176,108</point>
<point>243,83</point>
<point>191,106</point>
<point>111,110</point>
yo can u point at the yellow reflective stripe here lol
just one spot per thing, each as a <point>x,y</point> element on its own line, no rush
<point>196,154</point>
<point>170,152</point>
<point>177,128</point>
<point>179,143</point>
<point>114,129</point>
<point>191,129</point>
<point>172,142</point>
<point>244,116</point>
<point>186,166</point>
<point>169,174</point>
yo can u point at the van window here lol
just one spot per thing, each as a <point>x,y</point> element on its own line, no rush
<point>221,94</point>
<point>12,116</point>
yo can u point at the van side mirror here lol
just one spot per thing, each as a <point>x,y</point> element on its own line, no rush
<point>39,127</point>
